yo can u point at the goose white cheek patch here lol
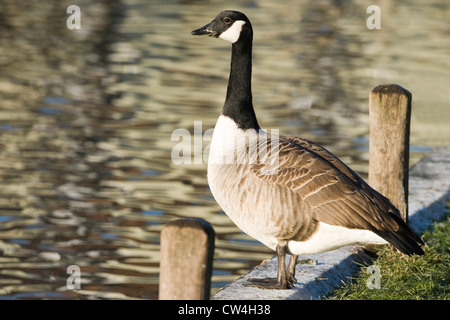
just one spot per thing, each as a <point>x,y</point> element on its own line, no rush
<point>232,33</point>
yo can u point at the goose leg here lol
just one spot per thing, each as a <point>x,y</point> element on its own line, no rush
<point>291,280</point>
<point>281,282</point>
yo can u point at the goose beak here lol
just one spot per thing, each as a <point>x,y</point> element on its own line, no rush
<point>205,30</point>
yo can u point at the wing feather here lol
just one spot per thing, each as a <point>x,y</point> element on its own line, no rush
<point>336,194</point>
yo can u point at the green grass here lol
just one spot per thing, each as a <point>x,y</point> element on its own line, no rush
<point>404,277</point>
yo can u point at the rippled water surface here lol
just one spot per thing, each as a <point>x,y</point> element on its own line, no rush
<point>87,122</point>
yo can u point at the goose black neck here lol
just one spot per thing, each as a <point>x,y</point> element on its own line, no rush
<point>238,104</point>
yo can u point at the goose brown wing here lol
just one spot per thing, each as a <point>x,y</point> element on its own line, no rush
<point>336,194</point>
<point>381,202</point>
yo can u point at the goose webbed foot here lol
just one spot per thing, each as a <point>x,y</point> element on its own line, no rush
<point>285,279</point>
<point>291,280</point>
<point>266,283</point>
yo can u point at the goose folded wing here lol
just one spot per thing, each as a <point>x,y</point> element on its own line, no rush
<point>336,195</point>
<point>380,201</point>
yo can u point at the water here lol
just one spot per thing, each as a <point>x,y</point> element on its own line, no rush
<point>87,117</point>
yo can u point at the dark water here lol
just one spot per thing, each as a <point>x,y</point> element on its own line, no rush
<point>87,122</point>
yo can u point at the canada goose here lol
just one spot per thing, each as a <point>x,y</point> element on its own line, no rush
<point>292,195</point>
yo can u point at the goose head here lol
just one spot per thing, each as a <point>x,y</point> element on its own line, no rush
<point>228,25</point>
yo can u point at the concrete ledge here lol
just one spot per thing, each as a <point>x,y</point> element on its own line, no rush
<point>429,191</point>
<point>317,275</point>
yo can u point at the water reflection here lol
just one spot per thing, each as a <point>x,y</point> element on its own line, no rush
<point>87,117</point>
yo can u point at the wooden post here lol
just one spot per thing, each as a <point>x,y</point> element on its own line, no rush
<point>187,249</point>
<point>390,112</point>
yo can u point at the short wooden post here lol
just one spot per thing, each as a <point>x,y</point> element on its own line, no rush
<point>187,249</point>
<point>390,113</point>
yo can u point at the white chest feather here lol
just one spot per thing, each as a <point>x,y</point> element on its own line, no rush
<point>229,178</point>
<point>229,143</point>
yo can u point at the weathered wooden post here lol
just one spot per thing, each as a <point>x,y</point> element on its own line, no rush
<point>187,249</point>
<point>390,113</point>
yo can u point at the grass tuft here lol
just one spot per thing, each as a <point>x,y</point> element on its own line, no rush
<point>404,277</point>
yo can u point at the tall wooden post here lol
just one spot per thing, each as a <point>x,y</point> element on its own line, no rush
<point>390,112</point>
<point>187,249</point>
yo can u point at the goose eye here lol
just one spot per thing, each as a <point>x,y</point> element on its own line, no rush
<point>227,20</point>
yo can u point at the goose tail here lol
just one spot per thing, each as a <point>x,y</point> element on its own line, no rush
<point>405,240</point>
